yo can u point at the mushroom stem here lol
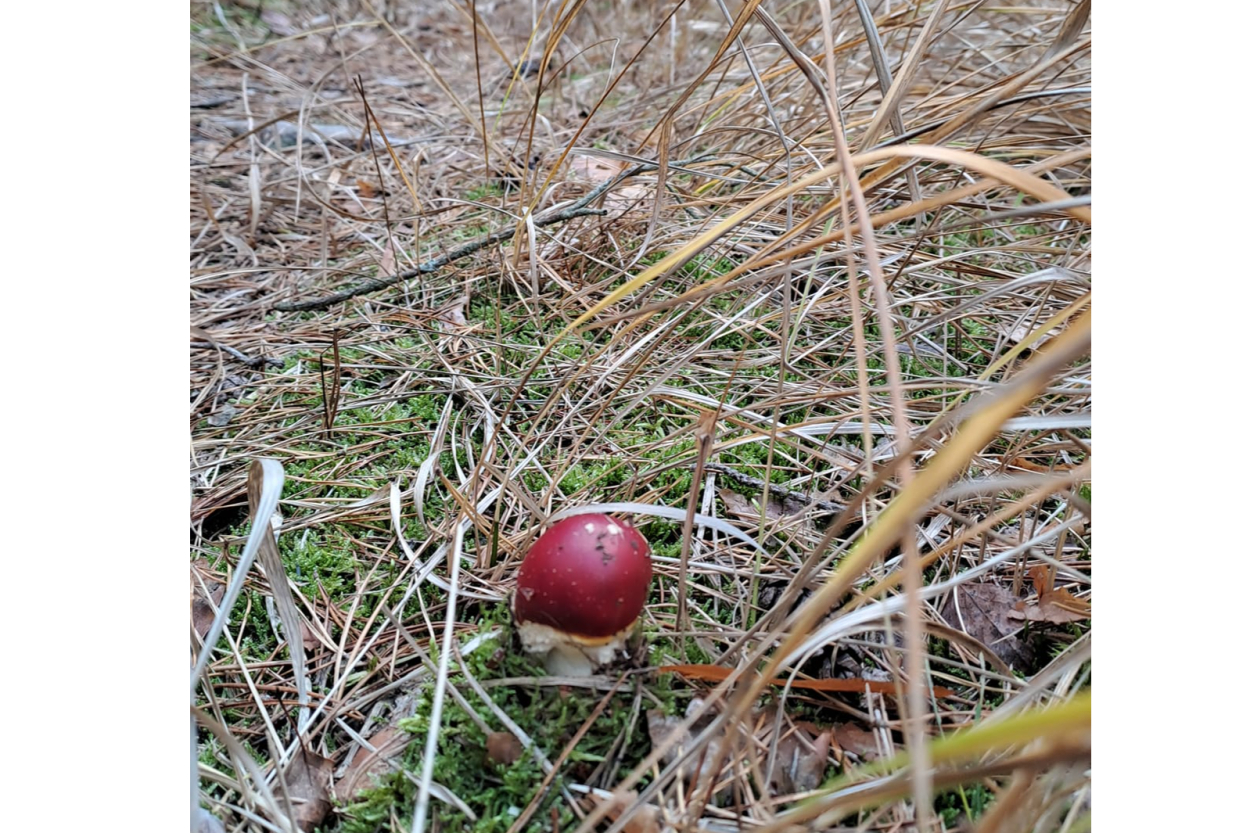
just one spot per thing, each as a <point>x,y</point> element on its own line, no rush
<point>568,661</point>
<point>564,655</point>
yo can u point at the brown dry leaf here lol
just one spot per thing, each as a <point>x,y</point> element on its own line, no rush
<point>1054,606</point>
<point>386,267</point>
<point>595,169</point>
<point>366,189</point>
<point>308,637</point>
<point>451,320</point>
<point>308,787</point>
<point>984,612</point>
<point>503,748</point>
<point>451,317</point>
<point>801,762</point>
<point>625,198</point>
<point>660,727</point>
<point>367,766</point>
<point>802,750</point>
<point>201,611</point>
<point>646,819</point>
<point>857,740</point>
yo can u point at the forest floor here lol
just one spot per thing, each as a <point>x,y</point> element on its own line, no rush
<point>457,267</point>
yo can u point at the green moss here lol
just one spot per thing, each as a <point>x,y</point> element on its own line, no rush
<point>962,802</point>
<point>321,558</point>
<point>496,792</point>
<point>481,193</point>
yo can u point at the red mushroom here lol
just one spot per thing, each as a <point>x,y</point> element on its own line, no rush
<point>580,591</point>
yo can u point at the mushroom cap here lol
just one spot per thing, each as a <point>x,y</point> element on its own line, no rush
<point>586,577</point>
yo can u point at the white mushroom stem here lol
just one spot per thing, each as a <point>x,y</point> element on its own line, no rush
<point>565,655</point>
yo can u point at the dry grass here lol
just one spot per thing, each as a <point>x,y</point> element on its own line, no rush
<point>705,306</point>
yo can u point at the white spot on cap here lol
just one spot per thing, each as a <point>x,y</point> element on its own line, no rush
<point>590,527</point>
<point>613,529</point>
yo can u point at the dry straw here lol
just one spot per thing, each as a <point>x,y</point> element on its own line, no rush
<point>803,290</point>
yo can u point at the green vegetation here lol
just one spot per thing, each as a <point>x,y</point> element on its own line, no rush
<point>455,374</point>
<point>496,790</point>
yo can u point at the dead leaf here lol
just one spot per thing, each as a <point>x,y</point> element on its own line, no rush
<point>595,169</point>
<point>309,638</point>
<point>620,200</point>
<point>201,611</point>
<point>451,320</point>
<point>802,749</point>
<point>699,769</point>
<point>1055,606</point>
<point>801,762</point>
<point>386,267</point>
<point>857,740</point>
<point>984,612</point>
<point>503,748</point>
<point>308,787</point>
<point>222,417</point>
<point>367,766</point>
<point>646,819</point>
<point>451,317</point>
<point>366,189</point>
<point>660,727</point>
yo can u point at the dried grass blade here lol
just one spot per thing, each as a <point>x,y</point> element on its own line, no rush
<point>993,169</point>
<point>440,685</point>
<point>1072,26</point>
<point>985,415</point>
<point>705,437</point>
<point>271,564</point>
<point>271,476</point>
<point>427,465</point>
<point>241,758</point>
<point>885,81</point>
<point>906,74</point>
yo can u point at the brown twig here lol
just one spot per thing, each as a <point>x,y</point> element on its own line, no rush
<point>431,265</point>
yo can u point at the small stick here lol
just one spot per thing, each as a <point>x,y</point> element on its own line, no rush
<point>250,361</point>
<point>577,209</point>
<point>429,265</point>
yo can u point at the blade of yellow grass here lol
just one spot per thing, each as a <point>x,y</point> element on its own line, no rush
<point>1051,323</point>
<point>1063,730</point>
<point>1024,182</point>
<point>893,215</point>
<point>987,414</point>
<point>907,72</point>
<point>1052,722</point>
<point>985,417</point>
